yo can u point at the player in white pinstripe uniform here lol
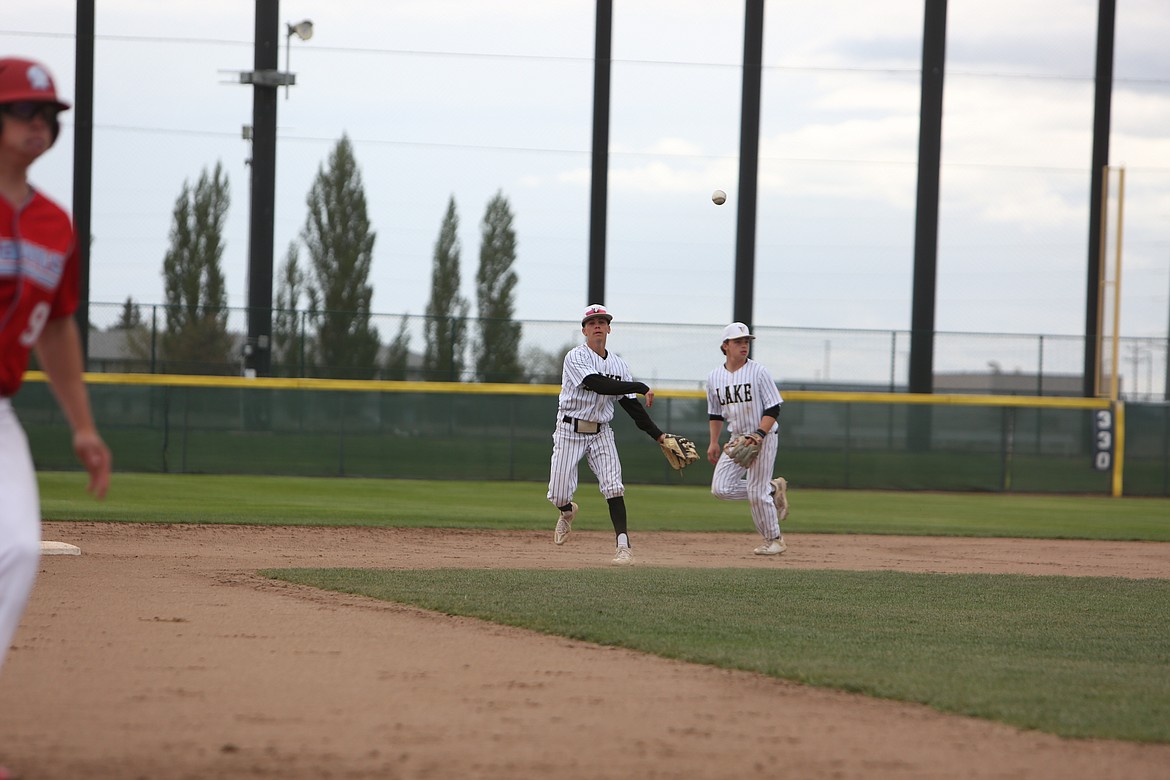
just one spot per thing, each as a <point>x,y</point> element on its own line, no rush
<point>592,379</point>
<point>742,393</point>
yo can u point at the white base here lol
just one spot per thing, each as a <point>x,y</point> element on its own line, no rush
<point>59,548</point>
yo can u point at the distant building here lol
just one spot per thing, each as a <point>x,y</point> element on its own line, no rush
<point>1016,383</point>
<point>112,351</point>
<point>973,382</point>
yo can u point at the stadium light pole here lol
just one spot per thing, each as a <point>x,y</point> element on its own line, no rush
<point>749,162</point>
<point>930,116</point>
<point>83,162</point>
<point>1102,111</point>
<point>599,189</point>
<point>265,80</point>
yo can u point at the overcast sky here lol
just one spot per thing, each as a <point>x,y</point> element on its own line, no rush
<point>464,98</point>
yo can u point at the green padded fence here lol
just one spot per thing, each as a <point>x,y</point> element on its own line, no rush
<point>158,423</point>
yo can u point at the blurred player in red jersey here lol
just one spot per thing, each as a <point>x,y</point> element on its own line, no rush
<point>38,295</point>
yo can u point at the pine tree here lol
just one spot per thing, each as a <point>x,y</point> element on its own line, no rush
<point>196,338</point>
<point>137,344</point>
<point>286,320</point>
<point>341,245</point>
<point>398,353</point>
<point>131,316</point>
<point>446,324</point>
<point>499,335</point>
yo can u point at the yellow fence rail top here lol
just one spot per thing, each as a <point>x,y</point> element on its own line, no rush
<point>471,388</point>
<point>278,383</point>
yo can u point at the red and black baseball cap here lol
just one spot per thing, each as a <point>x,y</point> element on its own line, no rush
<point>596,310</point>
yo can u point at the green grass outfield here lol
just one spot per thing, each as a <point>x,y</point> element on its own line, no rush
<point>161,498</point>
<point>1075,656</point>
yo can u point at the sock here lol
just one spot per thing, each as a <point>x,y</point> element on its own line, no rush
<point>566,508</point>
<point>617,516</point>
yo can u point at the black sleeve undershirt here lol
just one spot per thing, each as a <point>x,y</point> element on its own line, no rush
<point>604,385</point>
<point>771,411</point>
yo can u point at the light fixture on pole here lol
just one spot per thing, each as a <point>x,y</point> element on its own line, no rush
<point>303,30</point>
<point>265,78</point>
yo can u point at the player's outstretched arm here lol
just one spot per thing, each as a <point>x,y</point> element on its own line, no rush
<point>604,385</point>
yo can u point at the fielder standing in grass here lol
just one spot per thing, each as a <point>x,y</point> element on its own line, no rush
<point>742,394</point>
<point>38,295</point>
<point>592,379</point>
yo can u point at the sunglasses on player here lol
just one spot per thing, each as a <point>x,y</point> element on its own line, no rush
<point>27,110</point>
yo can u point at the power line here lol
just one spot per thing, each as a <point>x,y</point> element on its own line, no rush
<point>167,131</point>
<point>584,60</point>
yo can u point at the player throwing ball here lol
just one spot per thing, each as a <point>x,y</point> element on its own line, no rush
<point>741,393</point>
<point>38,294</point>
<point>591,380</point>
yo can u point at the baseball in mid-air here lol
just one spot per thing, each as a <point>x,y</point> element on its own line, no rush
<point>718,197</point>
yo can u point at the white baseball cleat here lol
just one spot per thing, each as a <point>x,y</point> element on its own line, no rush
<point>623,557</point>
<point>780,497</point>
<point>564,524</point>
<point>772,547</point>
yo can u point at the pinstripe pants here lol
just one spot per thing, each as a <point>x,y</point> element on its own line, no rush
<point>601,454</point>
<point>732,482</point>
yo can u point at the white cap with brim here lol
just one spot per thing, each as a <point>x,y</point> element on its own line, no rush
<point>595,310</point>
<point>736,330</point>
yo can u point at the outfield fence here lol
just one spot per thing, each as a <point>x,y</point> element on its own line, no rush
<point>436,430</point>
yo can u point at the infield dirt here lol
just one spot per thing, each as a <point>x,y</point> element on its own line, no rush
<point>159,653</point>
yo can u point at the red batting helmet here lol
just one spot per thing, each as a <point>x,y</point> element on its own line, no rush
<point>22,80</point>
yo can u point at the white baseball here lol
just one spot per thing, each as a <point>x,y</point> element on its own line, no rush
<point>718,197</point>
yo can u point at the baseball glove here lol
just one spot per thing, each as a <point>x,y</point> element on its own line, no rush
<point>743,449</point>
<point>679,452</point>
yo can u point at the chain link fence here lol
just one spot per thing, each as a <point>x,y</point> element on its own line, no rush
<point>667,356</point>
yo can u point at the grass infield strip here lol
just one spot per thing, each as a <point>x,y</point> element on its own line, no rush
<point>330,501</point>
<point>1071,656</point>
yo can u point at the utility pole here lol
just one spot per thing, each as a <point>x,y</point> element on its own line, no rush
<point>83,162</point>
<point>930,115</point>
<point>599,195</point>
<point>265,80</point>
<point>749,162</point>
<point>1102,110</point>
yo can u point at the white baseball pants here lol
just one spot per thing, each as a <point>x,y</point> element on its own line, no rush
<point>602,456</point>
<point>732,482</point>
<point>20,525</point>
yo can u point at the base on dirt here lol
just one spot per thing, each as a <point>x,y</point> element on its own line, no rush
<point>59,548</point>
